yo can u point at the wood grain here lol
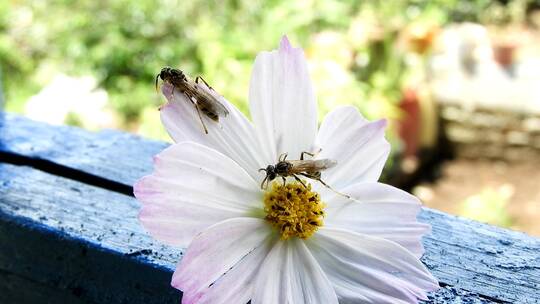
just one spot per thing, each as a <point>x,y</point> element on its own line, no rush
<point>476,263</point>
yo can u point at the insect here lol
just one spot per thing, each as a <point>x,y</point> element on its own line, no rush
<point>310,168</point>
<point>205,101</point>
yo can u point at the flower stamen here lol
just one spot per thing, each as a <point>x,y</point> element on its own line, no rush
<point>294,209</point>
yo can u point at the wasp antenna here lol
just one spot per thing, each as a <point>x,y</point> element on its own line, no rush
<point>264,180</point>
<point>157,79</point>
<point>262,169</point>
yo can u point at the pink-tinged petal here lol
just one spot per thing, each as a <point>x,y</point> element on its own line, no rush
<point>290,274</point>
<point>379,210</point>
<point>282,102</point>
<point>193,187</point>
<point>234,135</point>
<point>215,251</point>
<point>365,269</point>
<point>358,146</point>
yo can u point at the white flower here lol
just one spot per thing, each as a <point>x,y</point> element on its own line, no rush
<point>273,246</point>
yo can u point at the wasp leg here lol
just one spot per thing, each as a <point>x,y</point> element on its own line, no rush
<point>284,180</point>
<point>282,157</point>
<point>206,83</point>
<point>200,118</point>
<point>314,175</point>
<point>299,180</point>
<point>327,186</point>
<point>308,153</point>
<point>198,111</point>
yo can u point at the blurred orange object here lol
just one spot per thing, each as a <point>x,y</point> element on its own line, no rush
<point>409,123</point>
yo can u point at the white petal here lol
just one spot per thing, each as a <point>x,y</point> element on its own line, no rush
<point>236,285</point>
<point>369,269</point>
<point>290,275</point>
<point>282,102</point>
<point>193,187</point>
<point>215,251</point>
<point>379,210</point>
<point>358,146</point>
<point>233,136</point>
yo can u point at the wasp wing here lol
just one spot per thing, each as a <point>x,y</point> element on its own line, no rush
<point>211,100</point>
<point>311,165</point>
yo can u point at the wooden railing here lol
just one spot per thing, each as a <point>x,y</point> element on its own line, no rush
<point>69,231</point>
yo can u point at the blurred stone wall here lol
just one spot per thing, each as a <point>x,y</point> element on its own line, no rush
<point>491,133</point>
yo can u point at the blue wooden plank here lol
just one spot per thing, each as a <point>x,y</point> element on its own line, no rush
<point>494,263</point>
<point>15,289</point>
<point>116,156</point>
<point>454,295</point>
<point>83,240</point>
<point>497,263</point>
<point>84,243</point>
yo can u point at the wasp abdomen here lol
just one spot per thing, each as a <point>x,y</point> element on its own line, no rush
<point>212,115</point>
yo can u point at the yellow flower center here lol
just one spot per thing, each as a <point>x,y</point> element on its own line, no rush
<point>294,210</point>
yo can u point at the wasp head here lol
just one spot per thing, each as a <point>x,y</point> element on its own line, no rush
<point>271,172</point>
<point>270,175</point>
<point>169,74</point>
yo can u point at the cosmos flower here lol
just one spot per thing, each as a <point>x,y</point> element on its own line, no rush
<point>288,243</point>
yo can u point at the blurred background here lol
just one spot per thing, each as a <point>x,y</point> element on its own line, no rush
<point>458,79</point>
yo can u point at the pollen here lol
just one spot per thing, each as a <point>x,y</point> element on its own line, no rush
<point>293,210</point>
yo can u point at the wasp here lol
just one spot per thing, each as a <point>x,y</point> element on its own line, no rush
<point>205,101</point>
<point>310,168</point>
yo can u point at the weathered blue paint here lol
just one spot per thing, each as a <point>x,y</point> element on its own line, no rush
<point>476,263</point>
<point>110,154</point>
<point>81,239</point>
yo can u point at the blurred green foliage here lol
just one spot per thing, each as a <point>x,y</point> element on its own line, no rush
<point>125,43</point>
<point>489,206</point>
